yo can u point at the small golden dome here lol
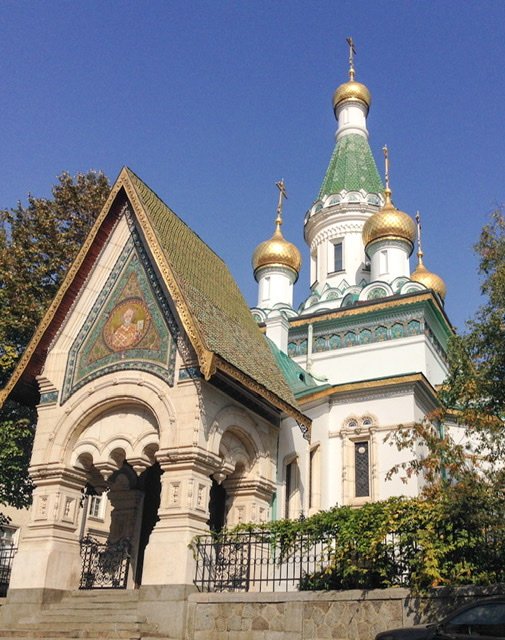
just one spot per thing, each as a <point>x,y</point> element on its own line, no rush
<point>277,251</point>
<point>352,90</point>
<point>429,279</point>
<point>389,222</point>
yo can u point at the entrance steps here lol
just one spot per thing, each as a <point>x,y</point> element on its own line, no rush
<point>92,615</point>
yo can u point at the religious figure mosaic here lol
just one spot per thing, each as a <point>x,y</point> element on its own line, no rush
<point>129,327</point>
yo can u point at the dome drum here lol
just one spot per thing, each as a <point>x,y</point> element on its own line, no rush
<point>279,268</point>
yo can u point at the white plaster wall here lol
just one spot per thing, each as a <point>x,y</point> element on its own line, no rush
<point>337,225</point>
<point>388,408</point>
<point>275,285</point>
<point>410,354</point>
<point>353,260</point>
<point>351,116</point>
<point>397,261</point>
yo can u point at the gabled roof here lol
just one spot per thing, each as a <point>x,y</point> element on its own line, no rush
<point>208,301</point>
<point>352,167</point>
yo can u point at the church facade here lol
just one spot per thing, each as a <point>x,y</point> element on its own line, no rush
<point>371,336</point>
<point>168,408</point>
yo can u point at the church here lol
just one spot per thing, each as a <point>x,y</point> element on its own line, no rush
<point>168,408</point>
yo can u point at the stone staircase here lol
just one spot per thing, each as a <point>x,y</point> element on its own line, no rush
<point>95,614</point>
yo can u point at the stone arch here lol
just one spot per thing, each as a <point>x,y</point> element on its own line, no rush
<point>247,467</point>
<point>238,419</point>
<point>107,394</point>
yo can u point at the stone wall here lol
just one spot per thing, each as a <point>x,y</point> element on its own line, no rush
<point>350,615</point>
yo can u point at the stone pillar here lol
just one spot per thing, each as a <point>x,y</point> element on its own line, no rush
<point>249,500</point>
<point>183,513</point>
<point>48,556</point>
<point>126,501</point>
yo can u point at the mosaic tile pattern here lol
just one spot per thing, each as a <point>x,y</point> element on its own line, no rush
<point>130,326</point>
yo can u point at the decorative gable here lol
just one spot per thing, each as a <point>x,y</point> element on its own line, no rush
<point>129,327</point>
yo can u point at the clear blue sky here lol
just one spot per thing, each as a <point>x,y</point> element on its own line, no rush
<point>212,102</point>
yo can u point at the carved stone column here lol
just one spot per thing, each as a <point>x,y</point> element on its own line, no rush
<point>183,513</point>
<point>48,555</point>
<point>249,500</point>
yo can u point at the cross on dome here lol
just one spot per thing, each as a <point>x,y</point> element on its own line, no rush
<point>282,194</point>
<point>352,53</point>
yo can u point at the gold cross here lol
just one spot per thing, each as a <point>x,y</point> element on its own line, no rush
<point>352,53</point>
<point>419,247</point>
<point>386,165</point>
<point>282,194</point>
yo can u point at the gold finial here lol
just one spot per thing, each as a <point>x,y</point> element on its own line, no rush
<point>352,53</point>
<point>282,194</point>
<point>419,247</point>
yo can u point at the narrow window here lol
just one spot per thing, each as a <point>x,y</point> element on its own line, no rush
<point>7,536</point>
<point>383,261</point>
<point>266,288</point>
<point>289,488</point>
<point>361,470</point>
<point>95,507</point>
<point>338,257</point>
<point>311,478</point>
<point>292,495</point>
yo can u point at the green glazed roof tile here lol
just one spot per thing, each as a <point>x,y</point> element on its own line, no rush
<point>352,167</point>
<point>213,297</point>
<point>299,380</point>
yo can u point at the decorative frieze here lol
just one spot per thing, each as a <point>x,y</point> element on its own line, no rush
<point>331,339</point>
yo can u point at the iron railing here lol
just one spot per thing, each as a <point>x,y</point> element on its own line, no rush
<point>104,565</point>
<point>7,553</point>
<point>256,561</point>
<point>262,561</point>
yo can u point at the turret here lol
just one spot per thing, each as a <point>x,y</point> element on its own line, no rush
<point>350,193</point>
<point>389,237</point>
<point>421,274</point>
<point>276,263</point>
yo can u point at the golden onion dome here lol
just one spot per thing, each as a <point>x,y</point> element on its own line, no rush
<point>389,222</point>
<point>352,90</point>
<point>428,279</point>
<point>277,252</point>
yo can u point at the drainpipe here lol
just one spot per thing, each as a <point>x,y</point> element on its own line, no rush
<point>310,330</point>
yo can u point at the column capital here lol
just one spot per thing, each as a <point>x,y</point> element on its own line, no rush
<point>189,458</point>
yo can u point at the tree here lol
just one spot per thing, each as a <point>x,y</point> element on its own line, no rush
<point>473,395</point>
<point>37,245</point>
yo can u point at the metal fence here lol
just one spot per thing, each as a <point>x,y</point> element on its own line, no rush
<point>104,565</point>
<point>260,561</point>
<point>7,553</point>
<point>256,561</point>
<point>253,562</point>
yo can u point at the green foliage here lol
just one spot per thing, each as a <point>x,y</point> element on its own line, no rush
<point>17,427</point>
<point>4,521</point>
<point>37,245</point>
<point>451,540</point>
<point>473,396</point>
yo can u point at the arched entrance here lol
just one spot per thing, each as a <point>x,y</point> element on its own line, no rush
<point>116,450</point>
<point>241,491</point>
